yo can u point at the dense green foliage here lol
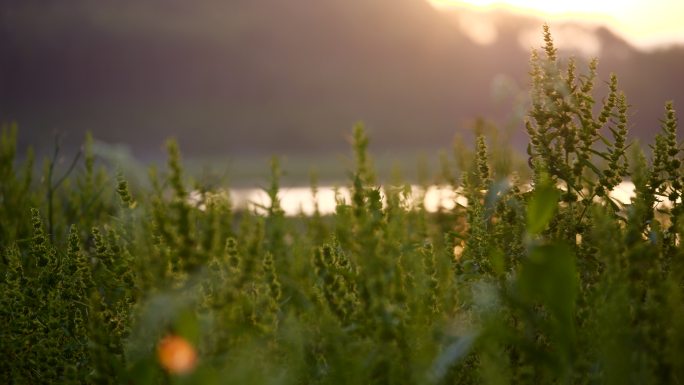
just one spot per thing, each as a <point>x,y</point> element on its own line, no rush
<point>557,283</point>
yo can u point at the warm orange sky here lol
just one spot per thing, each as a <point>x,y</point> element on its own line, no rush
<point>646,24</point>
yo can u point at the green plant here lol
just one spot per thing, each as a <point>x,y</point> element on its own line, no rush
<point>546,280</point>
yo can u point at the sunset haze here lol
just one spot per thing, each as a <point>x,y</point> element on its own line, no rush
<point>645,24</point>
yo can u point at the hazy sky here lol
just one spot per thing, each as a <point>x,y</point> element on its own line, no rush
<point>646,24</point>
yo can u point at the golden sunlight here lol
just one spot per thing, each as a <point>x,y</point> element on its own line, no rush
<point>644,24</point>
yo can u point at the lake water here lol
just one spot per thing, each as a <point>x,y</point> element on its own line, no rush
<point>301,200</point>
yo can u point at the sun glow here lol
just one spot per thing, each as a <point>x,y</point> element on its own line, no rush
<point>644,24</point>
<point>588,7</point>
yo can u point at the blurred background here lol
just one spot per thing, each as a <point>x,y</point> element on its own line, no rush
<point>246,79</point>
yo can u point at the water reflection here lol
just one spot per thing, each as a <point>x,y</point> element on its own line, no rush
<point>302,201</point>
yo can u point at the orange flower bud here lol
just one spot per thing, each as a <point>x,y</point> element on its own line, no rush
<point>176,355</point>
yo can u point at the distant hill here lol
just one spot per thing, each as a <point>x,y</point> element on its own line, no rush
<point>244,77</point>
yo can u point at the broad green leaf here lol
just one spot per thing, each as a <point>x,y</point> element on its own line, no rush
<point>453,353</point>
<point>549,278</point>
<point>498,261</point>
<point>541,208</point>
<point>187,325</point>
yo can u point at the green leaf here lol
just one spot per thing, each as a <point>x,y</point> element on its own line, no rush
<point>187,325</point>
<point>451,354</point>
<point>591,165</point>
<point>549,278</point>
<point>541,208</point>
<point>498,261</point>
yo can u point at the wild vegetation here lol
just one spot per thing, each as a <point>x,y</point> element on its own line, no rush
<point>553,283</point>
